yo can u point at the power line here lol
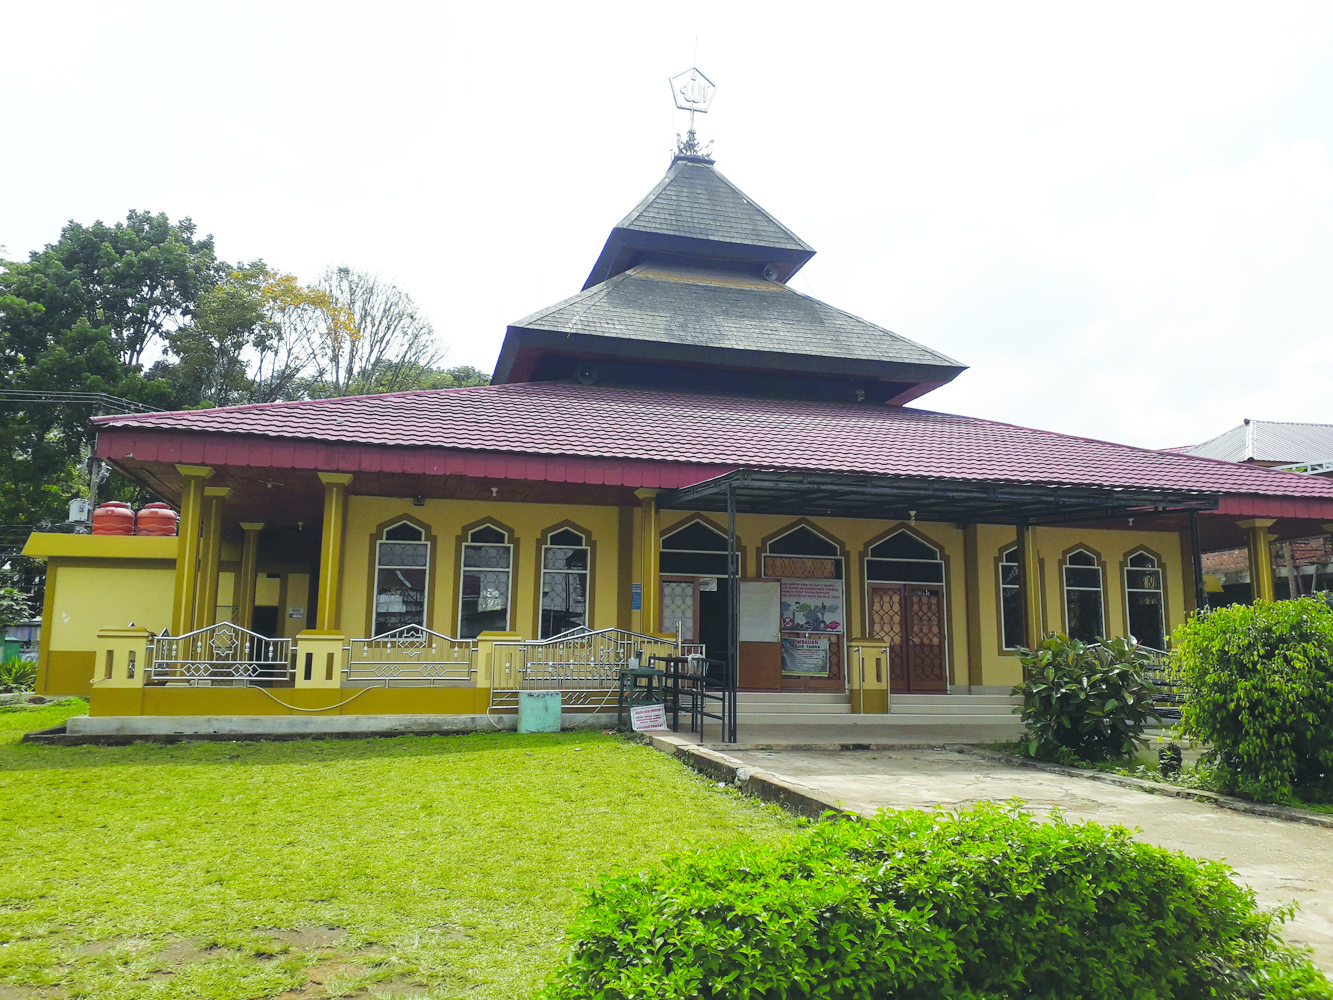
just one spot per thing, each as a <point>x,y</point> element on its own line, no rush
<point>103,401</point>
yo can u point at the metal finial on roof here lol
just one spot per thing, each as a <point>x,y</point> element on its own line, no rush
<point>692,91</point>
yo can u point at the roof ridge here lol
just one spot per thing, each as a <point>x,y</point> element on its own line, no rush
<point>760,208</point>
<point>583,293</point>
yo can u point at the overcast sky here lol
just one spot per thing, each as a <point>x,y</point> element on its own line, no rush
<point>1119,215</point>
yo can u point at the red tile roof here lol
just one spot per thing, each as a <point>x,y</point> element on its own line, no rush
<point>727,431</point>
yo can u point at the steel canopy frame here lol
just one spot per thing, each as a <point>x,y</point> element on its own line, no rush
<point>955,501</point>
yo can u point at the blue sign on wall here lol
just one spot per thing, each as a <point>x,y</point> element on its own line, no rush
<point>636,597</point>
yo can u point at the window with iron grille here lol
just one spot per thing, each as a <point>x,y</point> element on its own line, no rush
<point>1145,600</point>
<point>1085,616</point>
<point>485,585</point>
<point>565,562</point>
<point>1011,600</point>
<point>402,564</point>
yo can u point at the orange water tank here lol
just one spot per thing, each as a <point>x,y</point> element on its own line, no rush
<point>156,519</point>
<point>113,518</point>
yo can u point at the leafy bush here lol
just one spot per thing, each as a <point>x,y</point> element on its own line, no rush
<point>1260,678</point>
<point>986,902</point>
<point>1088,700</point>
<point>17,675</point>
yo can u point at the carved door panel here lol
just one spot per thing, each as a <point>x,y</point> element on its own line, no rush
<point>910,621</point>
<point>925,640</point>
<point>888,622</point>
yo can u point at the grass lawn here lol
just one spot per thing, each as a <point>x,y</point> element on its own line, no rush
<point>325,868</point>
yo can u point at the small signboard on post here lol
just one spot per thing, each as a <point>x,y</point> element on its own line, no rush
<point>643,718</point>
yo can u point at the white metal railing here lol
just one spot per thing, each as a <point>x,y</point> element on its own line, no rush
<point>224,653</point>
<point>581,659</point>
<point>410,656</point>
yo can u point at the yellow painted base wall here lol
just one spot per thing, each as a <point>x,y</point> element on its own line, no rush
<point>274,701</point>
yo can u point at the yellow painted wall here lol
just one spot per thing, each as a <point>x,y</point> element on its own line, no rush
<point>85,595</point>
<point>446,518</point>
<point>1003,669</point>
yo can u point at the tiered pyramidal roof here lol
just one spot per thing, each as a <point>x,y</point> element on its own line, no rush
<point>690,291</point>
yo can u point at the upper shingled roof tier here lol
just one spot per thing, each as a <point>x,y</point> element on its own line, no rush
<point>550,418</point>
<point>694,199</point>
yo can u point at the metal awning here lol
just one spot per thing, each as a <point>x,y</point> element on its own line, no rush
<point>892,498</point>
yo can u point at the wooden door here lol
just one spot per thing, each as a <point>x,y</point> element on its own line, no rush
<point>909,619</point>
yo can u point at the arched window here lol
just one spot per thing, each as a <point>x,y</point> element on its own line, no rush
<point>802,552</point>
<point>402,561</point>
<point>904,558</point>
<point>488,558</point>
<point>1011,600</point>
<point>1144,600</point>
<point>565,559</point>
<point>694,549</point>
<point>1085,617</point>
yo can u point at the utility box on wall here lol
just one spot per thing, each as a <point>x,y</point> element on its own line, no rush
<point>539,711</point>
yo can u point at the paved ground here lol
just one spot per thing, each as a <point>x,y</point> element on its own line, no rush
<point>1282,861</point>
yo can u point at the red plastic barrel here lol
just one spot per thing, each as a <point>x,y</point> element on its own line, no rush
<point>113,518</point>
<point>156,519</point>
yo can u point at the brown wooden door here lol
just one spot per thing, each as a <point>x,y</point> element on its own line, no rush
<point>909,618</point>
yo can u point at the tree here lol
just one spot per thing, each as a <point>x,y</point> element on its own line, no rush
<point>141,278</point>
<point>388,347</point>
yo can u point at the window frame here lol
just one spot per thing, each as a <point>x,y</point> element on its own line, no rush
<point>376,566</point>
<point>1016,587</point>
<point>869,557</point>
<point>512,546</point>
<point>1065,588</point>
<point>722,552</point>
<point>1160,591</point>
<point>542,570</point>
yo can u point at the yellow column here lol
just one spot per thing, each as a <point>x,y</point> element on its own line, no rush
<point>245,586</point>
<point>187,546</point>
<point>1261,563</point>
<point>1030,578</point>
<point>210,551</point>
<point>972,593</point>
<point>649,559</point>
<point>331,548</point>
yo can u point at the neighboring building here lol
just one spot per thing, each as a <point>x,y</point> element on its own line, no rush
<point>1270,443</point>
<point>1301,566</point>
<point>687,402</point>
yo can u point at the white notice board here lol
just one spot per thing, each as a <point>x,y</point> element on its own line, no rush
<point>761,610</point>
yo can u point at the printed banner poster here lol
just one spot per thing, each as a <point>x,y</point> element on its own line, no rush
<point>805,656</point>
<point>811,605</point>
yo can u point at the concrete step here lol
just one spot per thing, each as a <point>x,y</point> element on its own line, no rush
<point>786,708</point>
<point>999,724</point>
<point>954,699</point>
<point>794,697</point>
<point>959,706</point>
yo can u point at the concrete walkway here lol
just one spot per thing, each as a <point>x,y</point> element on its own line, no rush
<point>1281,861</point>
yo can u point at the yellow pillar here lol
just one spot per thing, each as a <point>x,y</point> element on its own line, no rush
<point>1261,562</point>
<point>245,586</point>
<point>972,593</point>
<point>331,548</point>
<point>210,551</point>
<point>187,546</point>
<point>1029,574</point>
<point>650,536</point>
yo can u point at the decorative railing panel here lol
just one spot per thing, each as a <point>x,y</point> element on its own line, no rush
<point>410,656</point>
<point>220,654</point>
<point>579,660</point>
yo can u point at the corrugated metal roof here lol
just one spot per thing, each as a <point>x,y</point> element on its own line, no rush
<point>728,310</point>
<point>603,421</point>
<point>1270,441</point>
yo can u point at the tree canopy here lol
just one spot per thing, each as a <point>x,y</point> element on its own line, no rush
<point>144,310</point>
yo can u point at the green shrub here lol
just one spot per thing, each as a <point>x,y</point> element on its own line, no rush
<point>17,675</point>
<point>986,902</point>
<point>1260,678</point>
<point>1090,700</point>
